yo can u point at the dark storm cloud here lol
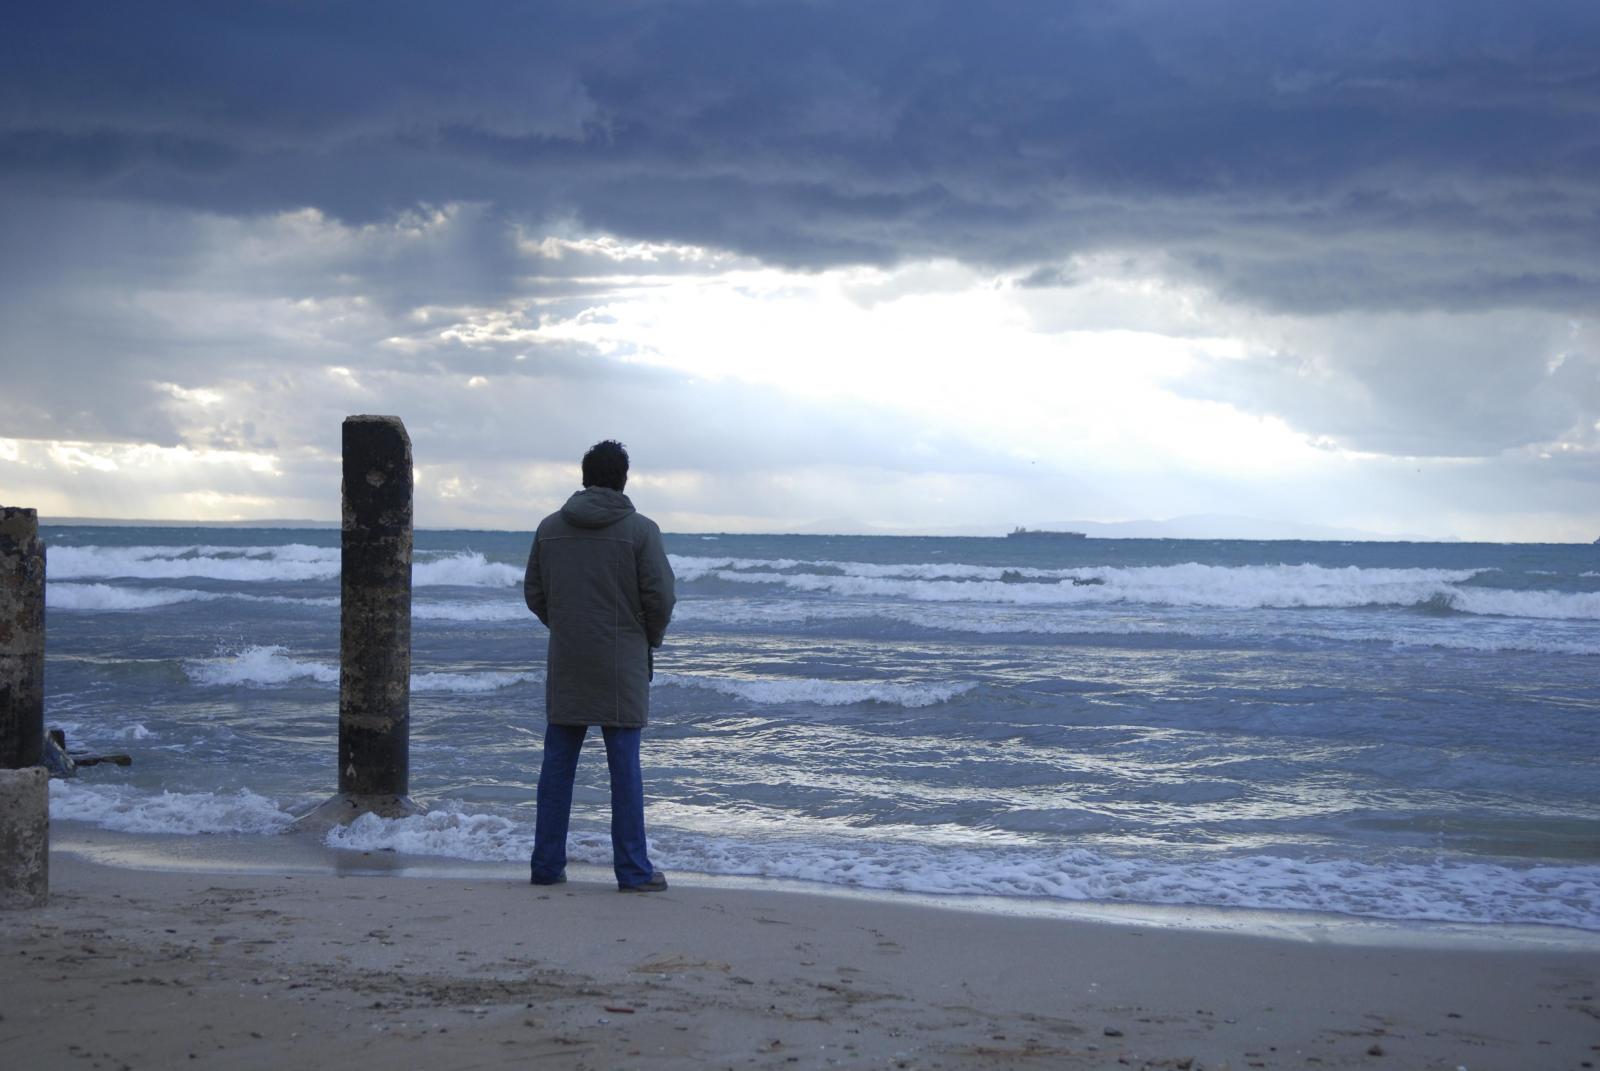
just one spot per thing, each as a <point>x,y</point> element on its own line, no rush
<point>1264,146</point>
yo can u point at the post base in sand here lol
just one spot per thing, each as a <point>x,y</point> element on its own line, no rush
<point>24,837</point>
<point>346,807</point>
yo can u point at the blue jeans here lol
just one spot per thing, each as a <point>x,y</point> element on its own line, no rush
<point>562,744</point>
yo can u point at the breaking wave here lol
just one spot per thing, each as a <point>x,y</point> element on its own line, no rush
<point>290,562</point>
<point>112,599</point>
<point>467,569</point>
<point>441,832</point>
<point>129,810</point>
<point>1467,634</point>
<point>109,597</point>
<point>827,693</point>
<point>471,683</point>
<point>272,665</point>
<point>499,610</point>
<point>266,664</point>
<point>1412,889</point>
<point>1188,585</point>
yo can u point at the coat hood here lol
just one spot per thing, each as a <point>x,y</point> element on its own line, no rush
<point>596,507</point>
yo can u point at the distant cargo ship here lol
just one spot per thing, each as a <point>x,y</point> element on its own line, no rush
<point>1035,533</point>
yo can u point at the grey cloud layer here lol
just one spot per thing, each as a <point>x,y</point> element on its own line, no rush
<point>1426,384</point>
<point>1265,145</point>
<point>1395,205</point>
<point>120,306</point>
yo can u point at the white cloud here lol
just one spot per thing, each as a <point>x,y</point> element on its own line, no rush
<point>929,395</point>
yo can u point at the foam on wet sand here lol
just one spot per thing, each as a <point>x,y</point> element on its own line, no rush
<point>284,953</point>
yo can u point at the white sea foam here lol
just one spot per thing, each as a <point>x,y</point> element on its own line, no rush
<point>1239,587</point>
<point>131,810</point>
<point>467,569</point>
<point>1493,643</point>
<point>1551,605</point>
<point>470,682</point>
<point>984,620</point>
<point>261,664</point>
<point>691,567</point>
<point>294,561</point>
<point>828,693</point>
<point>483,610</point>
<point>1481,634</point>
<point>1440,891</point>
<point>109,597</point>
<point>273,665</point>
<point>1458,892</point>
<point>443,831</point>
<point>1187,585</point>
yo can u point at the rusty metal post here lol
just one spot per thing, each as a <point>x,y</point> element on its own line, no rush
<point>374,626</point>
<point>24,788</point>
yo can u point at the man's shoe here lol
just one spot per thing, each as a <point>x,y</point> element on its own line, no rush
<point>559,879</point>
<point>657,882</point>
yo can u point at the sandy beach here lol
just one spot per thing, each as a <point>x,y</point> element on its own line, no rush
<point>310,958</point>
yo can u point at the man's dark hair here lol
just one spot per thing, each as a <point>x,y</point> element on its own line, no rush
<point>606,465</point>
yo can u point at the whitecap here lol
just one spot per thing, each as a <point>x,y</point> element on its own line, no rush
<point>271,665</point>
<point>107,597</point>
<point>486,610</point>
<point>1471,892</point>
<point>443,831</point>
<point>130,810</point>
<point>294,561</point>
<point>1435,891</point>
<point>260,664</point>
<point>470,682</point>
<point>466,569</point>
<point>828,693</point>
<point>1187,585</point>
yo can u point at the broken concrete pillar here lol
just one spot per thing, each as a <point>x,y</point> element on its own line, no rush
<point>24,837</point>
<point>21,639</point>
<point>374,626</point>
<point>24,784</point>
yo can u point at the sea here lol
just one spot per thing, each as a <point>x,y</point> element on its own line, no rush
<point>1383,730</point>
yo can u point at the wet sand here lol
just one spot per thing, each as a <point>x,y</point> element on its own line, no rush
<point>324,962</point>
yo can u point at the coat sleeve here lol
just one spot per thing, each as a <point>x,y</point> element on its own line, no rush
<point>656,594</point>
<point>533,586</point>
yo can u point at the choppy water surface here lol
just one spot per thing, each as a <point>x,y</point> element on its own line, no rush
<point>1391,730</point>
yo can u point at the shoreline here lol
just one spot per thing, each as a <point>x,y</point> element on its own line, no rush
<point>314,966</point>
<point>286,853</point>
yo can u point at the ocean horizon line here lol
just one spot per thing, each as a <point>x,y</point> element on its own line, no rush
<point>1094,530</point>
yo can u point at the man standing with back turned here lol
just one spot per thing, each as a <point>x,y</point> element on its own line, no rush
<point>599,580</point>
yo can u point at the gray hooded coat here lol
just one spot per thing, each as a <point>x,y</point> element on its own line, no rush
<point>598,578</point>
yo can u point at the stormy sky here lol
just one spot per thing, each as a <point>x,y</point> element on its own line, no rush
<point>905,266</point>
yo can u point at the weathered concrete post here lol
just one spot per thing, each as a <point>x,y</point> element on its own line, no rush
<point>24,783</point>
<point>374,626</point>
